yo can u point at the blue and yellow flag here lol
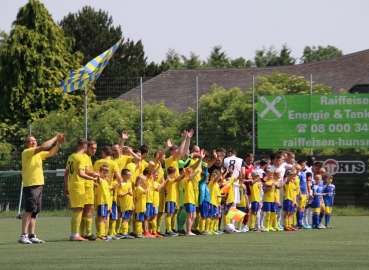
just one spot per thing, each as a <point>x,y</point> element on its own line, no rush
<point>83,76</point>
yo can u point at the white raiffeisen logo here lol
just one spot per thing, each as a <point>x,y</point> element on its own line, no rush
<point>271,112</point>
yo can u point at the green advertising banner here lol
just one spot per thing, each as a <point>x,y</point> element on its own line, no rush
<point>316,121</point>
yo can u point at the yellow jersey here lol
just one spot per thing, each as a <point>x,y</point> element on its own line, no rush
<point>214,192</point>
<point>140,200</point>
<point>122,161</point>
<point>171,162</point>
<point>230,197</point>
<point>103,193</point>
<point>76,183</point>
<point>150,193</point>
<point>289,191</point>
<point>255,191</point>
<point>32,174</point>
<point>88,164</point>
<point>171,190</point>
<point>242,202</point>
<point>189,194</point>
<point>269,192</point>
<point>197,178</point>
<point>156,197</point>
<point>125,202</point>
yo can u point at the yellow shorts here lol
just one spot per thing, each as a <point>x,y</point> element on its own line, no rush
<point>76,199</point>
<point>196,191</point>
<point>328,210</point>
<point>89,195</point>
<point>302,202</point>
<point>161,202</point>
<point>315,210</point>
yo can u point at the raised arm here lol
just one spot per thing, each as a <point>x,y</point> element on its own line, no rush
<point>125,136</point>
<point>215,156</point>
<point>46,145</point>
<point>187,143</point>
<point>180,149</point>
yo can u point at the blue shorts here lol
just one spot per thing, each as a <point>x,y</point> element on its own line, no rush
<point>114,211</point>
<point>102,210</point>
<point>243,209</point>
<point>267,206</point>
<point>287,206</point>
<point>140,216</point>
<point>170,207</point>
<point>254,206</point>
<point>149,210</point>
<point>190,207</point>
<point>228,206</point>
<point>155,210</point>
<point>275,208</point>
<point>204,209</point>
<point>213,211</point>
<point>126,214</point>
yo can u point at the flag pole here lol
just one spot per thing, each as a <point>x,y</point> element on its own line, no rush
<point>79,105</point>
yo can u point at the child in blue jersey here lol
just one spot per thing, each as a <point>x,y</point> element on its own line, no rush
<point>318,194</point>
<point>329,189</point>
<point>302,195</point>
<point>204,202</point>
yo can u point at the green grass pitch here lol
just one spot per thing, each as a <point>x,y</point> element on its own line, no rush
<point>344,247</point>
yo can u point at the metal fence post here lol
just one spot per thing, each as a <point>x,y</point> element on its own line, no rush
<point>86,113</point>
<point>253,115</point>
<point>141,113</point>
<point>197,110</point>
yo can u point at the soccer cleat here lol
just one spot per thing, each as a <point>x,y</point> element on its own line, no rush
<point>157,235</point>
<point>119,235</point>
<point>246,228</point>
<point>278,229</point>
<point>35,240</point>
<point>77,238</point>
<point>171,234</point>
<point>209,232</point>
<point>90,237</point>
<point>24,239</point>
<point>108,238</point>
<point>293,228</point>
<point>149,235</point>
<point>321,225</point>
<point>300,227</point>
<point>204,233</point>
<point>287,228</point>
<point>140,236</point>
<point>280,226</point>
<point>218,231</point>
<point>241,230</point>
<point>328,226</point>
<point>215,233</point>
<point>127,236</point>
<point>115,237</point>
<point>190,234</point>
<point>271,229</point>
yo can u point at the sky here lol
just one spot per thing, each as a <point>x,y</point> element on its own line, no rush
<point>240,26</point>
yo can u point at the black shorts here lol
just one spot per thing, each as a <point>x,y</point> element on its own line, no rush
<point>33,196</point>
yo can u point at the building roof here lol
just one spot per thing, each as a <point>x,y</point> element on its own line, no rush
<point>177,87</point>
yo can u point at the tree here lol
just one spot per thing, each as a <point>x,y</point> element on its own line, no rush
<point>193,62</point>
<point>270,57</point>
<point>218,58</point>
<point>241,63</point>
<point>35,58</point>
<point>223,119</point>
<point>3,37</point>
<point>315,54</point>
<point>94,32</point>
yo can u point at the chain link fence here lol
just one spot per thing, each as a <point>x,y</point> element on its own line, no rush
<point>212,130</point>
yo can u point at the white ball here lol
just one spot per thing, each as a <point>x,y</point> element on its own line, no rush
<point>229,228</point>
